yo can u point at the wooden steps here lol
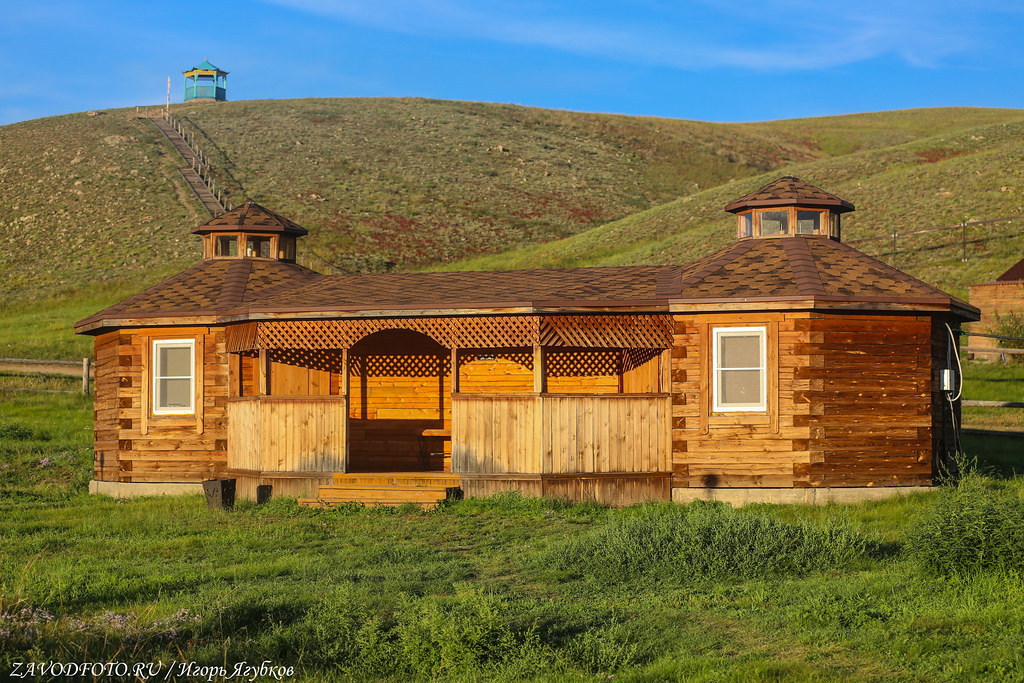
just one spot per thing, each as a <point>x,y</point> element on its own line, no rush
<point>425,489</point>
<point>194,180</point>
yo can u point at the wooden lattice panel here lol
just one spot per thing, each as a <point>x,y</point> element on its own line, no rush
<point>580,363</point>
<point>610,331</point>
<point>241,336</point>
<point>495,331</point>
<point>303,334</point>
<point>587,331</point>
<point>404,365</point>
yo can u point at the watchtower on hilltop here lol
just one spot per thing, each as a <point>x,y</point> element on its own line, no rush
<point>206,82</point>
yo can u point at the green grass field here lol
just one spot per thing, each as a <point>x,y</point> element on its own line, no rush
<point>921,587</point>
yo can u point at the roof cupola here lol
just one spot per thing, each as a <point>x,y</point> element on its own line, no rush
<point>789,206</point>
<point>250,231</point>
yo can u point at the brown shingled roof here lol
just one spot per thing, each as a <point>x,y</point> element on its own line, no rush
<point>806,268</point>
<point>250,216</point>
<point>1014,273</point>
<point>206,289</point>
<point>788,191</point>
<point>566,287</point>
<point>798,270</point>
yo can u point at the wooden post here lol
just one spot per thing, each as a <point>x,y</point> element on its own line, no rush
<point>665,374</point>
<point>539,380</point>
<point>894,248</point>
<point>264,373</point>
<point>963,239</point>
<point>85,376</point>
<point>344,372</point>
<point>455,370</point>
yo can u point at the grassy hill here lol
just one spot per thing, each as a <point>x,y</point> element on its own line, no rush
<point>95,208</point>
<point>974,173</point>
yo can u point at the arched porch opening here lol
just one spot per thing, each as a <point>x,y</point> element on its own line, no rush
<point>399,403</point>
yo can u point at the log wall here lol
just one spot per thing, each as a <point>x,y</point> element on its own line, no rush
<point>158,448</point>
<point>870,393</point>
<point>849,404</point>
<point>106,423</point>
<point>994,298</point>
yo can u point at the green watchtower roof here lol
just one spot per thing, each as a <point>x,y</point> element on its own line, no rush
<point>204,66</point>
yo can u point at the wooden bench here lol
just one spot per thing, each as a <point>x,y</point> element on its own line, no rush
<point>425,436</point>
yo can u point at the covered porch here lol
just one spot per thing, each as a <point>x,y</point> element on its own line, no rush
<point>567,406</point>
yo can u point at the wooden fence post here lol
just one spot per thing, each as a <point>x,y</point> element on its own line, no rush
<point>85,375</point>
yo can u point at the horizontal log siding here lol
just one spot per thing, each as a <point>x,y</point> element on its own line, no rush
<point>560,434</point>
<point>106,424</point>
<point>499,372</point>
<point>871,401</point>
<point>854,399</point>
<point>274,434</point>
<point>158,448</point>
<point>996,298</point>
<point>738,449</point>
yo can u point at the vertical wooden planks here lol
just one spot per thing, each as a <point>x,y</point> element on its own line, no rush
<point>287,434</point>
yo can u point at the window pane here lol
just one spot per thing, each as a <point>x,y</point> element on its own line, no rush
<point>174,361</point>
<point>739,351</point>
<point>740,387</point>
<point>807,222</point>
<point>775,223</point>
<point>747,225</point>
<point>174,393</point>
<point>258,247</point>
<point>227,245</point>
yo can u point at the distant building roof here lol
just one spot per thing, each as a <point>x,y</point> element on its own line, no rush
<point>1015,273</point>
<point>787,191</point>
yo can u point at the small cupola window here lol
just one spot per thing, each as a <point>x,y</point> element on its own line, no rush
<point>787,207</point>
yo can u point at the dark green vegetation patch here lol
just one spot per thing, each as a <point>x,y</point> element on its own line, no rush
<point>705,541</point>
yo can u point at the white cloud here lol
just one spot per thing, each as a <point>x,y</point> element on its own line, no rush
<point>790,35</point>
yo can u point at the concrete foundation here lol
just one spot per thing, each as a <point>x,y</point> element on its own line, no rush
<point>124,489</point>
<point>801,496</point>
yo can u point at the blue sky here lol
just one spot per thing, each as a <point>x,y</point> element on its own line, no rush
<point>714,60</point>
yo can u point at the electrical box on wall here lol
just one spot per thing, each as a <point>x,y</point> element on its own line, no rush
<point>947,379</point>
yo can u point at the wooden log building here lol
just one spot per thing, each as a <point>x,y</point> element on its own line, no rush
<point>1003,296</point>
<point>786,362</point>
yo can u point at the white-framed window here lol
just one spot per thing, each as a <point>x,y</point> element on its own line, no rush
<point>174,372</point>
<point>739,369</point>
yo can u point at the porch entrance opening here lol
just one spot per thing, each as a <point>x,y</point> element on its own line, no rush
<point>399,404</point>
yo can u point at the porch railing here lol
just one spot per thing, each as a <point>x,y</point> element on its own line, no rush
<point>561,434</point>
<point>287,434</point>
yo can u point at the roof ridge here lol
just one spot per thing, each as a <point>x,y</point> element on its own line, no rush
<point>235,281</point>
<point>302,276</point>
<point>803,267</point>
